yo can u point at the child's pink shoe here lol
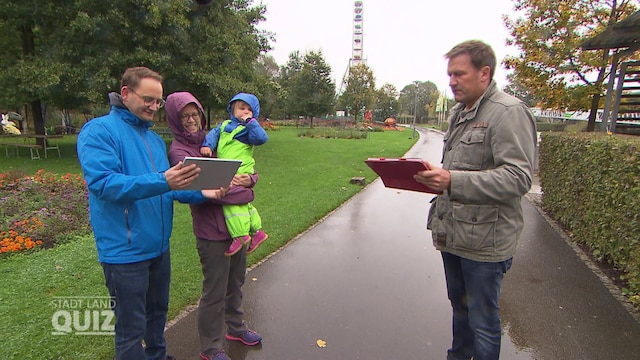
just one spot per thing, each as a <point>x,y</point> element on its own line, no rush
<point>258,238</point>
<point>237,244</point>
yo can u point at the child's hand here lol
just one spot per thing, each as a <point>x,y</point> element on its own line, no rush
<point>206,151</point>
<point>247,117</point>
<point>215,193</point>
<point>242,180</point>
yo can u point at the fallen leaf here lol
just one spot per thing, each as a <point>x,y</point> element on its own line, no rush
<point>321,343</point>
<point>254,279</point>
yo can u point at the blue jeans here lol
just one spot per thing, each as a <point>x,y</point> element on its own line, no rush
<point>474,288</point>
<point>141,294</point>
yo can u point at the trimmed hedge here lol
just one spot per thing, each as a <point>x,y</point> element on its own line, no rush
<point>547,126</point>
<point>591,184</point>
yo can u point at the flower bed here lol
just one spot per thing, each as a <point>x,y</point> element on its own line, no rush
<point>41,210</point>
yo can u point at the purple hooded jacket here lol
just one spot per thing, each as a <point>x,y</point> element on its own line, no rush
<point>208,218</point>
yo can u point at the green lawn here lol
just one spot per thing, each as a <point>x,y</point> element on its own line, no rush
<point>66,163</point>
<point>301,180</point>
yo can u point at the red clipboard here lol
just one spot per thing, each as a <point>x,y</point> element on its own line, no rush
<point>398,173</point>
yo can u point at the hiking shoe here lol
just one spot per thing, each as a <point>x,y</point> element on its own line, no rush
<point>236,245</point>
<point>248,338</point>
<point>218,356</point>
<point>258,238</point>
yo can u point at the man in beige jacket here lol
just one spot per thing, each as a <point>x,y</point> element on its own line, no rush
<point>487,167</point>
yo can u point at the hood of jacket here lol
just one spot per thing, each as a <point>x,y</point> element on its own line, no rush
<point>115,101</point>
<point>250,99</point>
<point>175,103</point>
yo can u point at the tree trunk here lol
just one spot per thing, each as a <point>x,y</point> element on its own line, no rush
<point>38,121</point>
<point>595,101</point>
<point>28,50</point>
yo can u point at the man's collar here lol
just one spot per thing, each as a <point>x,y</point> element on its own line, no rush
<point>471,113</point>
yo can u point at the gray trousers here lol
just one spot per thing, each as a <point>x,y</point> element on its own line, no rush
<point>221,301</point>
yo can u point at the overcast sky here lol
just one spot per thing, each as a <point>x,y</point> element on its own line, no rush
<point>403,40</point>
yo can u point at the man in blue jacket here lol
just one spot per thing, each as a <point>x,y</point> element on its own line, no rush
<point>131,194</point>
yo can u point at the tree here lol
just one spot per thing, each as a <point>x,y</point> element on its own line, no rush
<point>359,93</point>
<point>551,63</point>
<point>288,73</point>
<point>386,102</point>
<point>269,90</point>
<point>310,90</point>
<point>418,97</point>
<point>71,54</point>
<point>214,55</point>
<point>515,88</point>
<point>27,69</point>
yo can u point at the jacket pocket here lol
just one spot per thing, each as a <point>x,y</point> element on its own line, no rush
<point>438,223</point>
<point>469,153</point>
<point>432,212</point>
<point>474,226</point>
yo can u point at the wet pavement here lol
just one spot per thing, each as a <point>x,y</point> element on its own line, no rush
<point>368,283</point>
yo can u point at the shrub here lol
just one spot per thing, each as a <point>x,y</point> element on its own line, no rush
<point>591,184</point>
<point>268,125</point>
<point>546,126</point>
<point>333,133</point>
<point>577,127</point>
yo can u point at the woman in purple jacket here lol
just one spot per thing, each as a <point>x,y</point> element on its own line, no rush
<point>221,301</point>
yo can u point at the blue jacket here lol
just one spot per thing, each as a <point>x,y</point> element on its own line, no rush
<point>130,202</point>
<point>252,134</point>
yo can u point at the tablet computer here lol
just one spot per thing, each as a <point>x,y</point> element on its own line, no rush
<point>398,173</point>
<point>214,173</point>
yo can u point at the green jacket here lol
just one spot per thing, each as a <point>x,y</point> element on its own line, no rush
<point>489,152</point>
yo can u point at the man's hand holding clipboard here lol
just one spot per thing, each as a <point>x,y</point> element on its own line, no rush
<point>408,174</point>
<point>434,177</point>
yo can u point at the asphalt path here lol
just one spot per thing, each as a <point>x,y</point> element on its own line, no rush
<point>366,283</point>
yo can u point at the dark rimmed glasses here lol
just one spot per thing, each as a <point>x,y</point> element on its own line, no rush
<point>148,100</point>
<point>195,116</point>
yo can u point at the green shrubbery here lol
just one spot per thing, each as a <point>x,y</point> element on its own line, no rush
<point>591,184</point>
<point>333,133</point>
<point>546,126</point>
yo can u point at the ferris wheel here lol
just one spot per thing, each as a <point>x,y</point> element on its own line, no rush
<point>357,41</point>
<point>357,34</point>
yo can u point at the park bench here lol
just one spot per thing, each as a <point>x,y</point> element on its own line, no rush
<point>50,142</point>
<point>163,131</point>
<point>34,149</point>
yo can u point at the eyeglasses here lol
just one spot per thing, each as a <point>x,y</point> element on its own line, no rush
<point>148,100</point>
<point>195,116</point>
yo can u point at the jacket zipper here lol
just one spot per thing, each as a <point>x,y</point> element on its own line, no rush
<point>126,222</point>
<point>153,166</point>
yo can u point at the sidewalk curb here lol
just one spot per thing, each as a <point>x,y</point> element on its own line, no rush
<point>534,200</point>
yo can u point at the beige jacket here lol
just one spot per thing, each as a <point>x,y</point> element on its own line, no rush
<point>489,152</point>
